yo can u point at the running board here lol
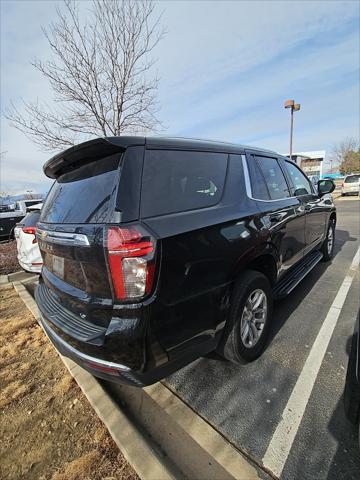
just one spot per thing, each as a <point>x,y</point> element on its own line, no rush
<point>294,277</point>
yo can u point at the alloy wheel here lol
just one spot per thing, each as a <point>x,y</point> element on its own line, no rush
<point>253,318</point>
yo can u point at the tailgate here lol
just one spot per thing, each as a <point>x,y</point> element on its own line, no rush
<point>70,233</point>
<point>75,270</point>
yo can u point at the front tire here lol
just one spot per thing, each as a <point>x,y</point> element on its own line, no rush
<point>329,242</point>
<point>247,329</point>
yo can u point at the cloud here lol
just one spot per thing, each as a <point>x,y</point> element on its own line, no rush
<point>225,69</point>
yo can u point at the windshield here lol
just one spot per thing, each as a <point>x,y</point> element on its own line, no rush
<point>83,195</point>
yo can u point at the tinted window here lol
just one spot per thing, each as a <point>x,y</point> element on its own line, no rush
<point>175,181</point>
<point>274,177</point>
<point>30,219</point>
<point>82,195</point>
<point>258,186</point>
<point>352,179</point>
<point>300,181</point>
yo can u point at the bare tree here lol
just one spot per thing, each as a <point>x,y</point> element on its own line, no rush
<point>341,150</point>
<point>98,73</point>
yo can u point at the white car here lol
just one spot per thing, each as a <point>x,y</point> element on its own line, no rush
<point>351,185</point>
<point>10,215</point>
<point>29,256</point>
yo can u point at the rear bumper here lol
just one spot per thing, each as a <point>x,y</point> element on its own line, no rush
<point>119,373</point>
<point>352,190</point>
<point>28,267</point>
<point>104,369</point>
<point>120,353</point>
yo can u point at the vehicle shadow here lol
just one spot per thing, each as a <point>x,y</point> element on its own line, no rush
<point>284,308</point>
<point>347,456</point>
<point>345,463</point>
<point>245,404</point>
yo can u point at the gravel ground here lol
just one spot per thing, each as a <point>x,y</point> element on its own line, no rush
<point>48,429</point>
<point>8,258</point>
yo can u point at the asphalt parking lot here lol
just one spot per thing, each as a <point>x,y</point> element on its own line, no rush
<point>270,407</point>
<point>248,404</point>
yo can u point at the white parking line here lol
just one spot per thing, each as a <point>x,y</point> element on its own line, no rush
<point>284,435</point>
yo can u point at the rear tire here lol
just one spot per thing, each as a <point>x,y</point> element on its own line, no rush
<point>327,248</point>
<point>247,329</point>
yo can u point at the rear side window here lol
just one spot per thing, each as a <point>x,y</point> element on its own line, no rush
<point>274,178</point>
<point>83,195</point>
<point>300,181</point>
<point>175,181</point>
<point>352,179</point>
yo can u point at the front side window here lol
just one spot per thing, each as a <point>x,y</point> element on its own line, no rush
<point>274,177</point>
<point>176,181</point>
<point>300,181</point>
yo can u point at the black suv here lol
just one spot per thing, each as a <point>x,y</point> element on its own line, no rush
<point>157,251</point>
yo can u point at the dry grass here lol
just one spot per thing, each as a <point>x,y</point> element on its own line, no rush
<point>48,430</point>
<point>8,258</point>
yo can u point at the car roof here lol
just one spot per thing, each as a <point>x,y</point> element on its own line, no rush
<point>184,143</point>
<point>110,145</point>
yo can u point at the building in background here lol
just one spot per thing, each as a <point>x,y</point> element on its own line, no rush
<point>310,162</point>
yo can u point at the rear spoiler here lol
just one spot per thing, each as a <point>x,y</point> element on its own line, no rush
<point>88,152</point>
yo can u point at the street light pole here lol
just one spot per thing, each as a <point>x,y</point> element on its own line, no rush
<point>294,107</point>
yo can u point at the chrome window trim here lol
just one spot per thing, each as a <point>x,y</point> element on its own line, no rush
<point>62,238</point>
<point>249,189</point>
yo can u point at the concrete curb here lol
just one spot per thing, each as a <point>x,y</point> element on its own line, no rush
<point>140,451</point>
<point>209,439</point>
<point>198,449</point>
<point>4,279</point>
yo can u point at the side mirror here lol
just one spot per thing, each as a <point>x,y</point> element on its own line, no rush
<point>325,186</point>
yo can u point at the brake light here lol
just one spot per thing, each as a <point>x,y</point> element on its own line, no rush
<point>131,255</point>
<point>31,231</point>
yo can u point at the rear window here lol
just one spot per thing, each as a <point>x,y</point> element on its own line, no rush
<point>352,179</point>
<point>175,181</point>
<point>83,195</point>
<point>30,219</point>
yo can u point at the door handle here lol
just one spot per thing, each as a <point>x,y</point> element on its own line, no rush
<point>300,209</point>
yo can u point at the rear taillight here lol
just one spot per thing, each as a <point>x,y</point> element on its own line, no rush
<point>32,231</point>
<point>131,256</point>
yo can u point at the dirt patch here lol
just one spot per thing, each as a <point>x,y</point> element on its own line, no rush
<point>48,429</point>
<point>8,258</point>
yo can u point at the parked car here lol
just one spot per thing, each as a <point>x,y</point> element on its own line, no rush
<point>8,207</point>
<point>351,185</point>
<point>29,256</point>
<point>10,217</point>
<point>157,251</point>
<point>352,384</point>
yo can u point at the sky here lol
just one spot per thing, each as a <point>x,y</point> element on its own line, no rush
<point>225,70</point>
